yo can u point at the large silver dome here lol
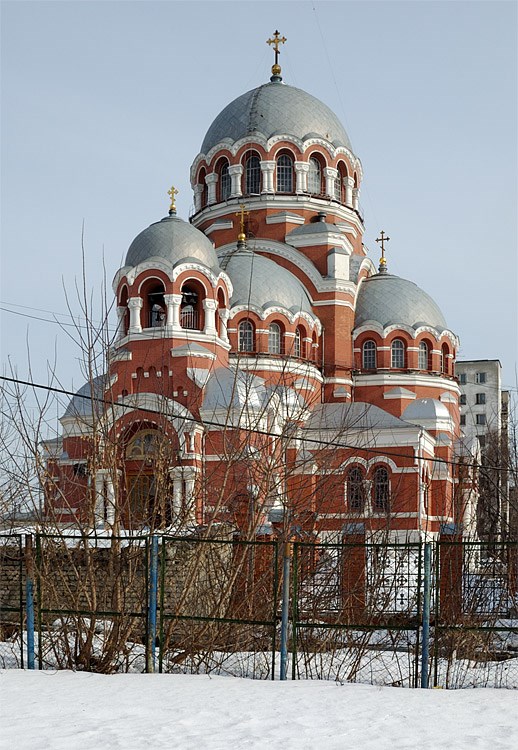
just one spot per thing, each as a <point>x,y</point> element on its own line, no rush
<point>172,239</point>
<point>276,109</point>
<point>260,282</point>
<point>390,300</point>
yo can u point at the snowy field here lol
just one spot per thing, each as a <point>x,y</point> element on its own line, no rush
<point>69,710</point>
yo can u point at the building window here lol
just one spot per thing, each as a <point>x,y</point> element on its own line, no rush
<point>444,359</point>
<point>480,377</point>
<point>253,176</point>
<point>338,187</point>
<point>480,398</point>
<point>369,355</point>
<point>274,338</point>
<point>462,399</point>
<point>224,182</point>
<point>297,344</point>
<point>246,336</point>
<point>481,440</point>
<point>381,490</point>
<point>355,490</point>
<point>314,177</point>
<point>462,419</point>
<point>422,357</point>
<point>480,419</point>
<point>398,354</point>
<point>284,174</point>
<point>189,309</point>
<point>463,378</point>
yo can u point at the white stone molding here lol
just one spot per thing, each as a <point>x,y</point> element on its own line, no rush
<point>211,181</point>
<point>356,198</point>
<point>301,172</point>
<point>135,305</point>
<point>284,217</point>
<point>267,170</point>
<point>173,302</point>
<point>198,192</point>
<point>121,314</point>
<point>349,185</point>
<point>192,351</point>
<point>217,225</point>
<point>224,315</point>
<point>235,171</point>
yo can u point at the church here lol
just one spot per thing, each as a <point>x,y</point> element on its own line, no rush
<point>267,374</point>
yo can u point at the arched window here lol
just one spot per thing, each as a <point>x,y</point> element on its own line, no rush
<point>246,336</point>
<point>145,444</point>
<point>369,355</point>
<point>314,177</point>
<point>340,182</point>
<point>423,356</point>
<point>338,187</point>
<point>355,490</point>
<point>190,316</point>
<point>224,182</point>
<point>154,303</point>
<point>444,358</point>
<point>274,338</point>
<point>297,343</point>
<point>381,493</point>
<point>284,174</point>
<point>205,190</point>
<point>398,354</point>
<point>252,176</point>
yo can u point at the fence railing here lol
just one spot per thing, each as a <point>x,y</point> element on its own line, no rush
<point>404,614</point>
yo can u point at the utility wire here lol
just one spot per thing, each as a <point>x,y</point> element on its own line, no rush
<point>255,431</point>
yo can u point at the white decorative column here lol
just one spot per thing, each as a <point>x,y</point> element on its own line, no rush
<point>177,496</point>
<point>211,181</point>
<point>330,175</point>
<point>135,306</point>
<point>99,499</point>
<point>173,302</point>
<point>224,315</point>
<point>235,171</point>
<point>356,197</point>
<point>190,500</point>
<point>349,184</point>
<point>110,501</point>
<point>210,305</point>
<point>267,169</point>
<point>301,172</point>
<point>198,192</point>
<point>121,315</point>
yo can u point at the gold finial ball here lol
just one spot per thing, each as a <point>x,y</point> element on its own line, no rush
<point>276,70</point>
<point>241,237</point>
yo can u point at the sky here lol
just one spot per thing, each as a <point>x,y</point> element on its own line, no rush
<point>105,105</point>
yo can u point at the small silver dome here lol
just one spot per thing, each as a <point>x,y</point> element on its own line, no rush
<point>390,300</point>
<point>172,239</point>
<point>260,282</point>
<point>234,389</point>
<point>276,109</point>
<point>425,408</point>
<point>89,398</point>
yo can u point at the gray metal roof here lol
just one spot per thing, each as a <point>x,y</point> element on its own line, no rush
<point>390,300</point>
<point>275,108</point>
<point>84,401</point>
<point>351,416</point>
<point>315,227</point>
<point>227,388</point>
<point>172,239</point>
<point>260,282</point>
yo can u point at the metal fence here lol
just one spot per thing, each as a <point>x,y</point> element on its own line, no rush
<point>443,614</point>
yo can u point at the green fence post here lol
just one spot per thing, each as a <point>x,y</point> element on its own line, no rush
<point>425,638</point>
<point>286,559</point>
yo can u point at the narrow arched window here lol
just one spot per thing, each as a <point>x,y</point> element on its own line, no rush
<point>369,355</point>
<point>444,359</point>
<point>381,490</point>
<point>422,358</point>
<point>397,354</point>
<point>355,490</point>
<point>284,174</point>
<point>338,187</point>
<point>224,183</point>
<point>246,336</point>
<point>314,177</point>
<point>253,175</point>
<point>297,344</point>
<point>274,338</point>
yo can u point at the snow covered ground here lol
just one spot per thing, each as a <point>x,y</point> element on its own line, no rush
<point>69,710</point>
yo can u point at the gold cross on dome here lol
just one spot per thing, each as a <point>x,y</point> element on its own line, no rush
<point>381,241</point>
<point>172,193</point>
<point>242,214</point>
<point>276,40</point>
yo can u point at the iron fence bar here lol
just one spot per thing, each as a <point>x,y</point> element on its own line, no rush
<point>92,612</point>
<point>152,604</point>
<point>162,598</point>
<point>275,604</point>
<point>294,615</point>
<point>39,601</point>
<point>418,607</point>
<point>227,620</point>
<point>426,616</point>
<point>437,627</point>
<point>286,557</point>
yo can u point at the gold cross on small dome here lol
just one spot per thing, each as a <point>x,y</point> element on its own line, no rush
<point>276,40</point>
<point>172,192</point>
<point>242,236</point>
<point>381,241</point>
